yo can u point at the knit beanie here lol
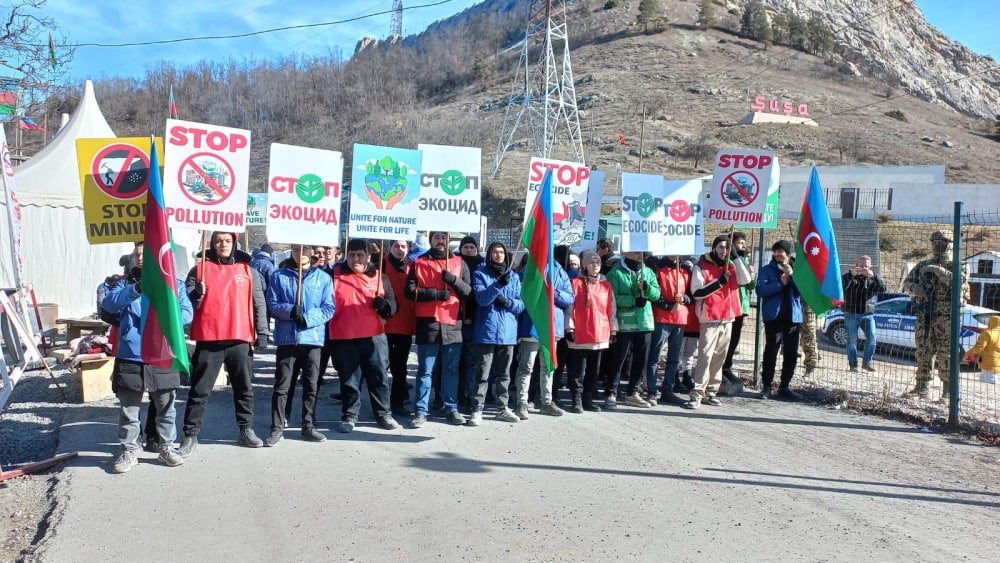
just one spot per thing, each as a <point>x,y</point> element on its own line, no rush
<point>784,245</point>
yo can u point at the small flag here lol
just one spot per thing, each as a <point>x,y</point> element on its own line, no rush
<point>52,52</point>
<point>537,290</point>
<point>817,268</point>
<point>173,105</point>
<point>621,138</point>
<point>29,124</point>
<point>8,103</point>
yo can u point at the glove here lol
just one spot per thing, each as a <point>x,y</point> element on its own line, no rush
<point>298,317</point>
<point>643,285</point>
<point>662,303</point>
<point>501,301</point>
<point>935,270</point>
<point>301,323</point>
<point>381,306</point>
<point>260,343</point>
<point>570,336</point>
<point>198,292</point>
<point>504,279</point>
<point>724,278</point>
<point>135,275</point>
<point>614,338</point>
<point>448,277</point>
<point>295,312</point>
<point>640,302</point>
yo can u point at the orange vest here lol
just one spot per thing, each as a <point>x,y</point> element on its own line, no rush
<point>668,278</point>
<point>226,312</point>
<point>428,272</point>
<point>353,295</point>
<point>405,319</point>
<point>592,311</point>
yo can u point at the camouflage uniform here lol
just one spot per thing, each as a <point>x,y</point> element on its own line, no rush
<point>807,335</point>
<point>930,284</point>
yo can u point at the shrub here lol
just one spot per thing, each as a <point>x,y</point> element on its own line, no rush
<point>887,244</point>
<point>610,4</point>
<point>884,217</point>
<point>897,115</point>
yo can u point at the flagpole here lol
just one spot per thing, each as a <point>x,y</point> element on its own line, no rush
<point>677,272</point>
<point>381,260</point>
<point>298,293</point>
<point>45,117</point>
<point>642,134</point>
<point>201,265</point>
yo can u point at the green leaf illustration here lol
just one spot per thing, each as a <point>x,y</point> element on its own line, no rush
<point>452,182</point>
<point>310,188</point>
<point>386,164</point>
<point>645,205</point>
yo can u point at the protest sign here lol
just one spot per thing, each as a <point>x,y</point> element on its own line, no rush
<point>385,192</point>
<point>739,190</point>
<point>256,209</point>
<point>570,186</point>
<point>114,180</point>
<point>771,208</point>
<point>303,195</point>
<point>592,219</point>
<point>450,188</point>
<point>660,216</point>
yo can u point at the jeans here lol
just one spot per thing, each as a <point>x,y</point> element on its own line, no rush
<point>867,324</point>
<point>287,358</point>
<point>359,358</point>
<point>427,357</point>
<point>128,417</point>
<point>527,355</point>
<point>208,358</point>
<point>673,336</point>
<point>493,358</point>
<point>399,353</point>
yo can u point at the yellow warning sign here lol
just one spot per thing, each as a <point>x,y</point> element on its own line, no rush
<point>114,178</point>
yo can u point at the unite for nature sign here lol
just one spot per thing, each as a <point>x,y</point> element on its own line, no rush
<point>114,181</point>
<point>739,187</point>
<point>303,195</point>
<point>450,188</point>
<point>661,216</point>
<point>570,188</point>
<point>385,192</point>
<point>206,172</point>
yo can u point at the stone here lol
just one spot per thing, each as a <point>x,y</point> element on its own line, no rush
<point>927,139</point>
<point>947,144</point>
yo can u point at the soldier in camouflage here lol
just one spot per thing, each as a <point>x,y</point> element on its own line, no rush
<point>929,282</point>
<point>807,335</point>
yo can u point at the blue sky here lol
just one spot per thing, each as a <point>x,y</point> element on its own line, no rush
<point>972,22</point>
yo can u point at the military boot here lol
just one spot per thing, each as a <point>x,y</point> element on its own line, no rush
<point>922,390</point>
<point>944,393</point>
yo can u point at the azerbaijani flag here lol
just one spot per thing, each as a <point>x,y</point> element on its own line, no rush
<point>161,326</point>
<point>536,290</point>
<point>52,51</point>
<point>173,105</point>
<point>817,270</point>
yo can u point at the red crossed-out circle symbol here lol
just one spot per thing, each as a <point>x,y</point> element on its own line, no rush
<point>206,178</point>
<point>740,189</point>
<point>121,171</point>
<point>680,211</point>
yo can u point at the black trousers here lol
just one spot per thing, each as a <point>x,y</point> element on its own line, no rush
<point>399,354</point>
<point>307,357</point>
<point>582,372</point>
<point>208,358</point>
<point>630,357</point>
<point>784,336</point>
<point>734,341</point>
<point>357,360</point>
<point>324,359</point>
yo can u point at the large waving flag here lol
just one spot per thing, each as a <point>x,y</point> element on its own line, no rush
<point>817,270</point>
<point>161,326</point>
<point>536,291</point>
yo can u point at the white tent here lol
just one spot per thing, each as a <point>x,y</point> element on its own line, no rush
<point>58,261</point>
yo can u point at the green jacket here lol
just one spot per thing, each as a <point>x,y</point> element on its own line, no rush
<point>746,289</point>
<point>625,283</point>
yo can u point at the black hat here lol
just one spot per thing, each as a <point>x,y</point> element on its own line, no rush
<point>784,245</point>
<point>467,239</point>
<point>718,239</point>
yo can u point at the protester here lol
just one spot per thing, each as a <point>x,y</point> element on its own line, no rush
<point>573,268</point>
<point>732,385</point>
<point>563,255</point>
<point>364,298</point>
<point>591,325</point>
<point>670,315</point>
<point>263,263</point>
<point>299,332</point>
<point>987,350</point>
<point>635,286</point>
<point>230,322</point>
<point>469,251</point>
<point>861,285</point>
<point>781,310</point>
<point>131,376</point>
<point>498,295</point>
<point>399,328</point>
<point>436,283</point>
<point>606,250</point>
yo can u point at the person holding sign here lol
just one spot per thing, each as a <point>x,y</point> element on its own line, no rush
<point>230,322</point>
<point>715,283</point>
<point>781,309</point>
<point>300,298</point>
<point>399,328</point>
<point>591,325</point>
<point>364,299</point>
<point>732,382</point>
<point>670,316</point>
<point>437,282</point>
<point>635,286</point>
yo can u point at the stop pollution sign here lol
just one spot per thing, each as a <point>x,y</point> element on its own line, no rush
<point>739,187</point>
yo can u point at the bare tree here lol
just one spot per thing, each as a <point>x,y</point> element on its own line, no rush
<point>698,148</point>
<point>25,54</point>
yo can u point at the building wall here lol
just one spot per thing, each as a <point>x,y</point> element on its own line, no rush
<point>938,198</point>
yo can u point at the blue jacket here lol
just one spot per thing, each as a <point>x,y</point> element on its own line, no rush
<point>317,305</point>
<point>563,298</point>
<point>495,324</point>
<point>771,292</point>
<point>264,264</point>
<point>125,301</point>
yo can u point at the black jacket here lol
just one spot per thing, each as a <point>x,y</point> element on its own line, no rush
<point>260,320</point>
<point>430,331</point>
<point>858,290</point>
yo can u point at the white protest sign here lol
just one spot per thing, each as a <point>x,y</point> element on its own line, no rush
<point>450,188</point>
<point>739,187</point>
<point>592,221</point>
<point>570,186</point>
<point>206,172</point>
<point>303,195</point>
<point>385,192</point>
<point>661,216</point>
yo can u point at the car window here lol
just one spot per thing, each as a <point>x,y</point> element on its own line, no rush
<point>894,307</point>
<point>911,308</point>
<point>983,318</point>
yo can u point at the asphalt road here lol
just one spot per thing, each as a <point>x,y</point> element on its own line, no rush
<point>748,481</point>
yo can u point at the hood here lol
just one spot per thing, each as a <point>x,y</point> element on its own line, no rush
<point>238,256</point>
<point>994,322</point>
<point>260,254</point>
<point>506,254</point>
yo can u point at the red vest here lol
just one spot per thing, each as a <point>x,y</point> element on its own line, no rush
<point>226,312</point>
<point>724,304</point>
<point>353,295</point>
<point>668,288</point>
<point>405,319</point>
<point>592,321</point>
<point>428,272</point>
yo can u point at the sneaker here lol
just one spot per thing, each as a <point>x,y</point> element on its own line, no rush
<point>714,401</point>
<point>788,394</point>
<point>853,369</point>
<point>419,420</point>
<point>591,407</point>
<point>273,438</point>
<point>636,401</point>
<point>313,435</point>
<point>476,418</point>
<point>765,393</point>
<point>551,409</point>
<point>610,403</point>
<point>456,418</point>
<point>507,415</point>
<point>248,439</point>
<point>170,457</point>
<point>869,368</point>
<point>151,446</point>
<point>188,444</point>
<point>126,461</point>
<point>387,423</point>
<point>693,404</point>
<point>346,426</point>
<point>522,412</point>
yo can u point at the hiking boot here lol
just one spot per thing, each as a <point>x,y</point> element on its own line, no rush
<point>127,460</point>
<point>522,411</point>
<point>788,394</point>
<point>551,409</point>
<point>636,401</point>
<point>507,415</point>
<point>313,435</point>
<point>670,398</point>
<point>418,420</point>
<point>170,457</point>
<point>273,438</point>
<point>248,439</point>
<point>714,401</point>
<point>922,390</point>
<point>456,418</point>
<point>693,404</point>
<point>810,370</point>
<point>577,405</point>
<point>869,368</point>
<point>610,403</point>
<point>476,418</point>
<point>387,423</point>
<point>188,444</point>
<point>346,426</point>
<point>765,393</point>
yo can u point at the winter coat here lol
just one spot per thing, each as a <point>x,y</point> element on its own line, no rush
<point>563,293</point>
<point>264,264</point>
<point>771,292</point>
<point>594,316</point>
<point>125,301</point>
<point>317,305</point>
<point>495,324</point>
<point>625,282</point>
<point>988,346</point>
<point>716,302</point>
<point>429,329</point>
<point>745,290</point>
<point>858,290</point>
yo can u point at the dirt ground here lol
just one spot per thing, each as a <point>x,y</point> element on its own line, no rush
<point>25,505</point>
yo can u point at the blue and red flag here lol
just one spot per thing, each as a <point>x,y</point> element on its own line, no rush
<point>173,105</point>
<point>29,124</point>
<point>536,290</point>
<point>817,265</point>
